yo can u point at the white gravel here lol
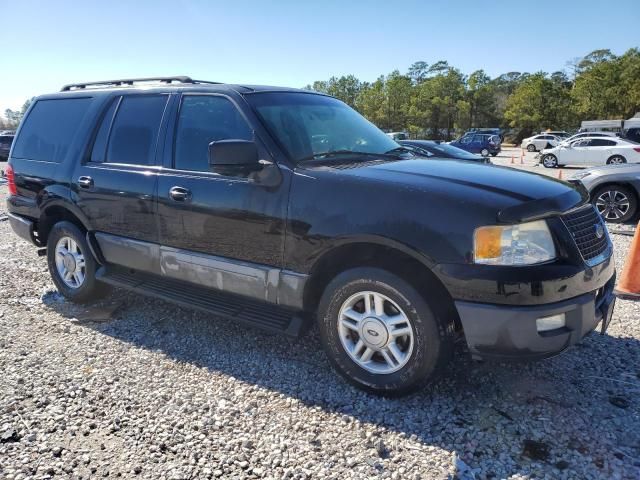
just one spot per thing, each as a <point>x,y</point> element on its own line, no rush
<point>158,391</point>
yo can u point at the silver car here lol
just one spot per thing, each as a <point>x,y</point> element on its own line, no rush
<point>613,189</point>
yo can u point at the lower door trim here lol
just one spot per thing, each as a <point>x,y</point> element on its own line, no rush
<point>260,282</point>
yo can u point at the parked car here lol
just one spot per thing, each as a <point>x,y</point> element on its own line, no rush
<point>429,148</point>
<point>561,134</point>
<point>216,197</point>
<point>398,135</point>
<point>592,151</point>
<point>587,134</point>
<point>483,144</point>
<point>632,134</point>
<point>539,142</point>
<point>489,131</point>
<point>614,190</point>
<point>5,146</point>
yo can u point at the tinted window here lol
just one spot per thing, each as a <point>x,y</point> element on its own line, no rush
<point>5,141</point>
<point>479,138</point>
<point>100,143</point>
<point>601,142</point>
<point>135,129</point>
<point>49,129</point>
<point>467,139</point>
<point>202,120</point>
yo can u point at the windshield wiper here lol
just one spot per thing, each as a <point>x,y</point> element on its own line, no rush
<point>401,150</point>
<point>338,153</point>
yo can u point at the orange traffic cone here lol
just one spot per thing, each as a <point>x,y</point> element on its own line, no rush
<point>521,160</point>
<point>560,174</point>
<point>629,284</point>
<point>512,160</point>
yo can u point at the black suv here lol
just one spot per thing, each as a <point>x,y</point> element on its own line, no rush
<point>279,207</point>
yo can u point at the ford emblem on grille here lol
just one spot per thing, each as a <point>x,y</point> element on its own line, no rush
<point>599,230</point>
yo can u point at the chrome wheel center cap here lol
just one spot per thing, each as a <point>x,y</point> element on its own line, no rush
<point>69,263</point>
<point>374,332</point>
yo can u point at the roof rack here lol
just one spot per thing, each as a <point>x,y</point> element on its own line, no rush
<point>131,81</point>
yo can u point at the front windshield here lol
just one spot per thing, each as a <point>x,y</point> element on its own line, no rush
<point>309,125</point>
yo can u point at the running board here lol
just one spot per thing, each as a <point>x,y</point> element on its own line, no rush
<point>249,312</point>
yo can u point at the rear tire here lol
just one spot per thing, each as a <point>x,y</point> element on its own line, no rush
<point>616,160</point>
<point>362,342</point>
<point>71,264</point>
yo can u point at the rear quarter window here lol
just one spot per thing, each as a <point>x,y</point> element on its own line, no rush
<point>49,129</point>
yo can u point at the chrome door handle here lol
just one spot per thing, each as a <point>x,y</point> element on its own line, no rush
<point>85,182</point>
<point>180,194</point>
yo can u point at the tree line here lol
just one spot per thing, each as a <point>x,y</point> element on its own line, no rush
<point>439,101</point>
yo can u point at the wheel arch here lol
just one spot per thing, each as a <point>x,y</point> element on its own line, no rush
<point>397,259</point>
<point>55,212</point>
<point>616,155</point>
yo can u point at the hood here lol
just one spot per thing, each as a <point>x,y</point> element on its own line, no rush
<point>626,168</point>
<point>517,195</point>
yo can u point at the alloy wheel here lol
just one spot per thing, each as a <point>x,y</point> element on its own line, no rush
<point>70,262</point>
<point>612,204</point>
<point>375,332</point>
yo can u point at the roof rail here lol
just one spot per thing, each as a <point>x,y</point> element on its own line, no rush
<point>131,81</point>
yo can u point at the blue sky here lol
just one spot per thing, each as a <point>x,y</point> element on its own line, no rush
<point>46,44</point>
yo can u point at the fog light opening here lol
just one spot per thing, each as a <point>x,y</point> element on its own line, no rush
<point>552,322</point>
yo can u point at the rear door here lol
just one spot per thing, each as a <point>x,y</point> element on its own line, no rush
<point>599,150</point>
<point>116,185</point>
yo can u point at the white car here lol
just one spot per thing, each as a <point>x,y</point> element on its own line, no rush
<point>540,142</point>
<point>592,151</point>
<point>588,134</point>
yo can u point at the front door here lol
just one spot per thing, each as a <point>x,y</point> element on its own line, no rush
<point>220,230</point>
<point>116,187</point>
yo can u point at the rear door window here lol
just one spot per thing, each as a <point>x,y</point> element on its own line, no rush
<point>49,129</point>
<point>601,142</point>
<point>134,134</point>
<point>100,144</point>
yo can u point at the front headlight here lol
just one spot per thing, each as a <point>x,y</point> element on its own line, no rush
<point>524,244</point>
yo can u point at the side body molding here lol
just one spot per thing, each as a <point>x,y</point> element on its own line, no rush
<point>260,282</point>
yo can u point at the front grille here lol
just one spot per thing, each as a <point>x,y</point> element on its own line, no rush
<point>583,225</point>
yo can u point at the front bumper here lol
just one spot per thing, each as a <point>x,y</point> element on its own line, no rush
<point>510,332</point>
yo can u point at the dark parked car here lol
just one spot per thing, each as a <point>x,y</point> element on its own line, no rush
<point>278,207</point>
<point>484,144</point>
<point>490,131</point>
<point>430,148</point>
<point>5,146</point>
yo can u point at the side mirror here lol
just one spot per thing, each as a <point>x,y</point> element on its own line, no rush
<point>234,153</point>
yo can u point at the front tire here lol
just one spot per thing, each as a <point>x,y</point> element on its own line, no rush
<point>380,334</point>
<point>531,147</point>
<point>71,264</point>
<point>484,152</point>
<point>616,203</point>
<point>550,161</point>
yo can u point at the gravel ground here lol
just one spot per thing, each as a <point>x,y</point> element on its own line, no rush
<point>135,387</point>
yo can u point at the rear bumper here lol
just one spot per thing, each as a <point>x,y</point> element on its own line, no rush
<point>510,332</point>
<point>22,227</point>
